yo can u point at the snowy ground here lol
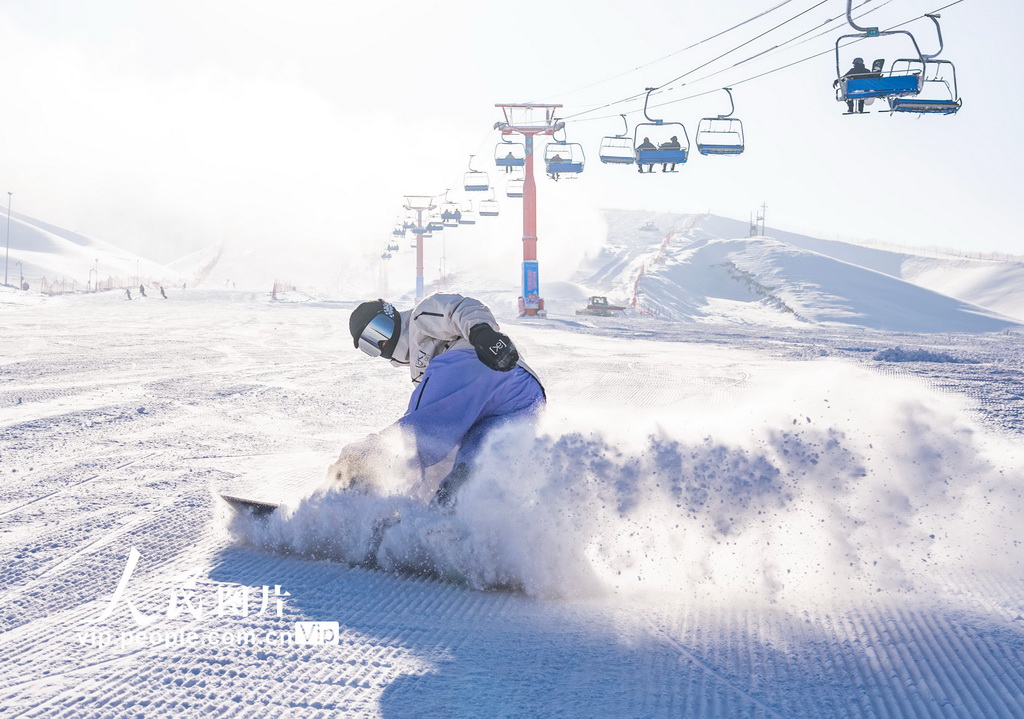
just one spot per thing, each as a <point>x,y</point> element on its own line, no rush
<point>712,521</point>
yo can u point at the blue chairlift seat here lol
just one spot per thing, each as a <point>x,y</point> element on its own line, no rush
<point>660,157</point>
<point>709,149</point>
<point>510,154</point>
<point>565,167</point>
<point>861,88</point>
<point>489,208</point>
<point>514,188</point>
<point>918,105</point>
<point>419,230</point>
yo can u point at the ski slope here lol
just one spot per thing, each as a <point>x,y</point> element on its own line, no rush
<point>727,513</point>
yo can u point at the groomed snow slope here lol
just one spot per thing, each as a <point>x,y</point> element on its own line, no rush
<point>763,522</point>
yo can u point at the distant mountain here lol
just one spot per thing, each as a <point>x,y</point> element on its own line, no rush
<point>41,250</point>
<point>706,269</point>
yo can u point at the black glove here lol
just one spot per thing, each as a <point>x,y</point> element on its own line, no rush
<point>493,348</point>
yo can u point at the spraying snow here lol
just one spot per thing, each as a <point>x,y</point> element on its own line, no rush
<point>825,479</point>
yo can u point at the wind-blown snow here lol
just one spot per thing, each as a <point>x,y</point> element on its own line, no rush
<point>822,480</point>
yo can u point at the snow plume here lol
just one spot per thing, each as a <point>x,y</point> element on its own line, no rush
<point>829,480</point>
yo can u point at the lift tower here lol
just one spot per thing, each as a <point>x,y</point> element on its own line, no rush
<point>529,120</point>
<point>419,204</point>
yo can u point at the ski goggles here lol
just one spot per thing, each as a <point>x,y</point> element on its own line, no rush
<point>378,332</point>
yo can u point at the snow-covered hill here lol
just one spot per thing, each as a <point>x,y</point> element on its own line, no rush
<point>705,269</point>
<point>41,250</point>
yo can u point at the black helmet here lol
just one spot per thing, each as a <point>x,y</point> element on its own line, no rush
<point>375,327</point>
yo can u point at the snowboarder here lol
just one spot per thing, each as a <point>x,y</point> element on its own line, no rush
<point>672,144</point>
<point>162,293</point>
<point>645,145</point>
<point>128,292</point>
<point>468,376</point>
<point>859,70</point>
<point>142,290</point>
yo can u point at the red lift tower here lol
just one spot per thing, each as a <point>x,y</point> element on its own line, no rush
<point>528,120</point>
<point>419,204</point>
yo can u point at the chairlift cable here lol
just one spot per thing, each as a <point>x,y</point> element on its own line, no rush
<point>728,52</point>
<point>760,75</point>
<point>677,52</point>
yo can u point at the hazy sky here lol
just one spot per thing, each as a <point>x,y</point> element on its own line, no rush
<point>169,126</point>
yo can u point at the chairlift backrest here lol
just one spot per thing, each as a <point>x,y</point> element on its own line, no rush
<point>510,154</point>
<point>564,157</point>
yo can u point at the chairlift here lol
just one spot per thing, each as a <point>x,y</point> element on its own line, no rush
<point>939,95</point>
<point>667,148</point>
<point>393,247</point>
<point>398,231</point>
<point>468,215</point>
<point>875,83</point>
<point>510,154</point>
<point>514,187</point>
<point>563,158</point>
<point>475,180</point>
<point>449,212</point>
<point>385,255</point>
<point>618,149</point>
<point>721,135</point>
<point>489,207</point>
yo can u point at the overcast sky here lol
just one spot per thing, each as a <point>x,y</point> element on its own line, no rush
<point>168,126</point>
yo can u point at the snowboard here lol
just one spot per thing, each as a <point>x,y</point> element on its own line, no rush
<point>254,506</point>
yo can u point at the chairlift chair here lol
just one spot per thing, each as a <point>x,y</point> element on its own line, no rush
<point>875,83</point>
<point>510,154</point>
<point>564,158</point>
<point>657,153</point>
<point>514,187</point>
<point>618,149</point>
<point>721,135</point>
<point>450,214</point>
<point>475,180</point>
<point>939,94</point>
<point>489,207</point>
<point>468,216</point>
